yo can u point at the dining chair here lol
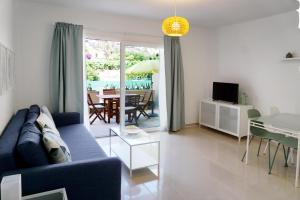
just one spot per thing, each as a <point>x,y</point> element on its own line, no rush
<point>143,105</point>
<point>95,110</point>
<point>131,107</point>
<point>286,142</point>
<point>263,134</point>
<point>256,131</point>
<point>273,111</point>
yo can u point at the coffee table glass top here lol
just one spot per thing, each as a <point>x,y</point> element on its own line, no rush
<point>135,136</point>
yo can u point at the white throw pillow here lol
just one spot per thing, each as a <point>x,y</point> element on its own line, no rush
<point>57,149</point>
<point>45,122</point>
<point>46,111</point>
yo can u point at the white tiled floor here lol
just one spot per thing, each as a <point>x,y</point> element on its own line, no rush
<point>100,129</point>
<point>199,163</point>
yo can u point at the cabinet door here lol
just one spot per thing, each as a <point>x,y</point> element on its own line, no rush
<point>228,119</point>
<point>208,114</point>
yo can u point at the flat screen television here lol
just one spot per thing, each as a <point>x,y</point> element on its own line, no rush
<point>228,92</point>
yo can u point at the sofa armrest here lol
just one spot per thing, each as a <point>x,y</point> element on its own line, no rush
<point>66,118</point>
<point>87,179</point>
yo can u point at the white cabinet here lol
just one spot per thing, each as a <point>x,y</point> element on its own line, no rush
<point>225,117</point>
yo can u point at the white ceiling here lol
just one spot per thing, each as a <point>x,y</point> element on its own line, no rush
<point>210,13</point>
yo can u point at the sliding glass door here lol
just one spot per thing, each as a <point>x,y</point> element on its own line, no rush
<point>141,86</point>
<point>124,79</point>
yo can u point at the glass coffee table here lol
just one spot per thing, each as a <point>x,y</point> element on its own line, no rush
<point>59,194</point>
<point>135,148</point>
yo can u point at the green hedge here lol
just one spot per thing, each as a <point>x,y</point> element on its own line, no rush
<point>94,67</point>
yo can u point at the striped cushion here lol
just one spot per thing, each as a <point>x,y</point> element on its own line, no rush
<point>57,149</point>
<point>45,122</point>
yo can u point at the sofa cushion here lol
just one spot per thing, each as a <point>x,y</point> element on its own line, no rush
<point>34,109</point>
<point>81,143</point>
<point>8,141</point>
<point>33,114</point>
<point>57,149</point>
<point>46,111</point>
<point>30,146</point>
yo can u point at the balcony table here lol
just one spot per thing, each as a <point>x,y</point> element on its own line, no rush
<point>109,99</point>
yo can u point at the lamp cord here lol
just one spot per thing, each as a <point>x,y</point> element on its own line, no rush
<point>175,7</point>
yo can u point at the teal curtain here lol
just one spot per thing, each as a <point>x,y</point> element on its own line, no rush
<point>174,83</point>
<point>66,64</point>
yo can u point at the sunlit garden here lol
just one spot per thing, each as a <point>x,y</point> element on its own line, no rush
<point>103,66</point>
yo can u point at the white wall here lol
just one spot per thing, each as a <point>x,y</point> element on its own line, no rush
<point>251,54</point>
<point>6,38</point>
<point>199,61</point>
<point>35,25</point>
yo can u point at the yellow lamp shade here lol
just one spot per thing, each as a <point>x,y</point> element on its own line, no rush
<point>175,26</point>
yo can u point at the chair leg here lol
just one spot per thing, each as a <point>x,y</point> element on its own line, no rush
<point>94,119</point>
<point>291,156</point>
<point>118,116</point>
<point>288,154</point>
<point>99,116</point>
<point>251,137</point>
<point>91,115</point>
<point>269,154</point>
<point>259,147</point>
<point>135,117</point>
<point>103,116</point>
<point>266,148</point>
<point>143,112</point>
<point>129,117</point>
<point>92,112</point>
<point>272,163</point>
<point>285,156</point>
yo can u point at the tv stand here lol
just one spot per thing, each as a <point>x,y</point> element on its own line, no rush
<point>226,117</point>
<point>224,102</point>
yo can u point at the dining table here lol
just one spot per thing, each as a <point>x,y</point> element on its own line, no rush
<point>109,100</point>
<point>284,123</point>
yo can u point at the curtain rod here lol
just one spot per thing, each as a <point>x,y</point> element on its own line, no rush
<point>121,33</point>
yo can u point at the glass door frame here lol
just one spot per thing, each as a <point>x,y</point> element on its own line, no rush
<point>123,45</point>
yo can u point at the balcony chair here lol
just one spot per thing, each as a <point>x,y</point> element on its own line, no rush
<point>143,105</point>
<point>95,110</point>
<point>131,107</point>
<point>95,98</point>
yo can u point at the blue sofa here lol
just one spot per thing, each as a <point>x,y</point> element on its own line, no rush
<point>90,175</point>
